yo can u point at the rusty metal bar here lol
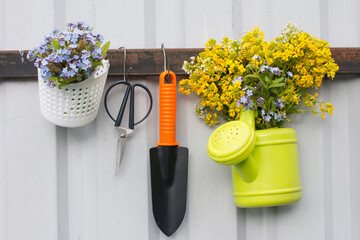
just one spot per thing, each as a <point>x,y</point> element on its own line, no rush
<point>148,63</point>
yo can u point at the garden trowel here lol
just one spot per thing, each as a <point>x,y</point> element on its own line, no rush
<point>168,164</point>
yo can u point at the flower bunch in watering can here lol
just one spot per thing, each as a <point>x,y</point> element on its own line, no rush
<point>69,56</point>
<point>275,78</point>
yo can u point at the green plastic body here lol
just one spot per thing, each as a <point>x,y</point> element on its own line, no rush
<point>265,164</point>
<point>278,176</point>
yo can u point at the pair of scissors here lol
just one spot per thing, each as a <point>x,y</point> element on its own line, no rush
<point>123,131</point>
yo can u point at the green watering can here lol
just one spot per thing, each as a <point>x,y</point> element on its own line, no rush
<point>265,164</point>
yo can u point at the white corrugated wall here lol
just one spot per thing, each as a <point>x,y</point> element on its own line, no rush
<point>58,183</point>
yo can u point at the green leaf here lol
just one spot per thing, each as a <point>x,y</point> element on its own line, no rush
<point>97,63</point>
<point>278,80</point>
<point>265,93</point>
<point>56,44</point>
<point>105,48</point>
<point>67,82</point>
<point>276,85</point>
<point>267,79</point>
<point>283,92</point>
<point>252,76</point>
<point>269,102</point>
<point>98,44</point>
<point>80,45</point>
<point>53,78</point>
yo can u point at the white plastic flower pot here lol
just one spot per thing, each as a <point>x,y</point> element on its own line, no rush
<point>74,105</point>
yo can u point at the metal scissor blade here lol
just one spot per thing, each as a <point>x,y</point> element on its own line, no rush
<point>123,133</point>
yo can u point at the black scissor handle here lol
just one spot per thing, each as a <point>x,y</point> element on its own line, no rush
<point>123,103</point>
<point>129,90</point>
<point>132,103</point>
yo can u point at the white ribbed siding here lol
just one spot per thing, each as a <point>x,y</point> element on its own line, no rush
<point>58,183</point>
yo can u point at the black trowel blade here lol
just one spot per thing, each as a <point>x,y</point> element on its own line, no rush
<point>169,173</point>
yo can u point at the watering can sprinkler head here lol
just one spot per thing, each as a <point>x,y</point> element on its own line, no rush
<point>232,144</point>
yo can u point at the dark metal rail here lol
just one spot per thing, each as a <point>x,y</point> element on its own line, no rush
<point>148,63</point>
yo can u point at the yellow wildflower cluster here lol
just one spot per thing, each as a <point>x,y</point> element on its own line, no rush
<point>272,77</point>
<point>308,58</point>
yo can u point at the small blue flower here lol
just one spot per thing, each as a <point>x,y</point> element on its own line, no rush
<point>249,105</point>
<point>74,67</point>
<point>67,52</point>
<point>289,74</point>
<point>37,62</point>
<point>71,73</point>
<point>97,53</point>
<point>62,58</point>
<point>53,57</point>
<point>85,54</point>
<point>79,64</point>
<point>267,118</point>
<point>256,57</point>
<point>281,103</point>
<point>74,37</point>
<point>243,99</point>
<point>263,68</point>
<point>88,73</point>
<point>31,55</point>
<point>64,73</point>
<point>86,64</point>
<point>90,39</point>
<point>51,84</point>
<point>271,112</point>
<point>53,33</point>
<point>73,45</point>
<point>44,62</point>
<point>260,101</point>
<point>237,79</point>
<point>45,72</point>
<point>263,112</point>
<point>83,26</point>
<point>275,70</point>
<point>249,92</point>
<point>71,25</point>
<point>100,38</point>
<point>67,36</point>
<point>42,49</point>
<point>238,103</point>
<point>277,117</point>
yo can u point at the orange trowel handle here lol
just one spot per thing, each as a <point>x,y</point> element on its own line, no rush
<point>167,110</point>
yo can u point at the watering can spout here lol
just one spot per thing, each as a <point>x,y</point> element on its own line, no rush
<point>232,144</point>
<point>248,169</point>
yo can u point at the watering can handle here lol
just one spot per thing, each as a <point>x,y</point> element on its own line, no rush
<point>248,117</point>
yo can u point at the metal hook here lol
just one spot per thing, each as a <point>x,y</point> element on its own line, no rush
<point>124,70</point>
<point>166,62</point>
<point>128,73</point>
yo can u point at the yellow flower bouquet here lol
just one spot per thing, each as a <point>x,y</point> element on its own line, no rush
<point>274,78</point>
